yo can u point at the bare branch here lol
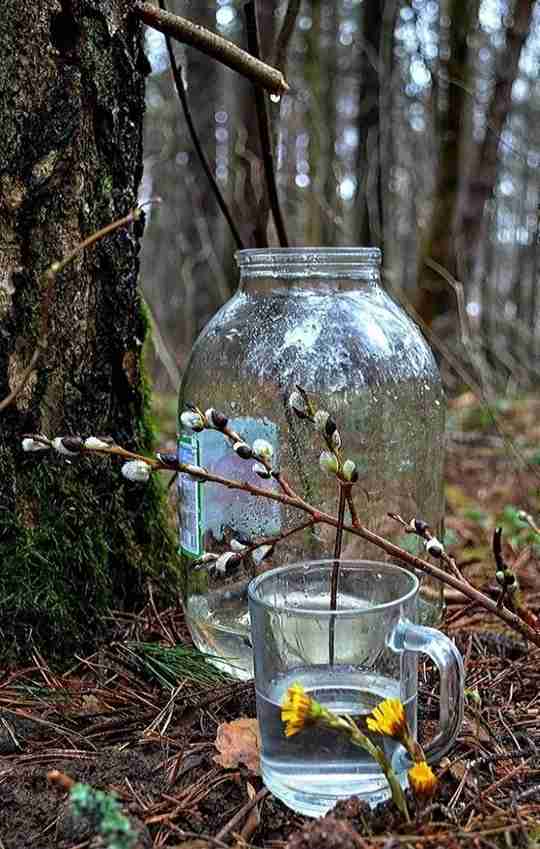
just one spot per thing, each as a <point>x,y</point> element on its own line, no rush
<point>285,34</point>
<point>264,129</point>
<point>169,462</point>
<point>213,45</point>
<point>182,96</point>
<point>49,278</point>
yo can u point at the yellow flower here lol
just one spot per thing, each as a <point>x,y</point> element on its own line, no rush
<point>422,780</point>
<point>298,709</point>
<point>389,718</point>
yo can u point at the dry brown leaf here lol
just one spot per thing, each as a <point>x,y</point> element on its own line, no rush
<point>90,704</point>
<point>238,742</point>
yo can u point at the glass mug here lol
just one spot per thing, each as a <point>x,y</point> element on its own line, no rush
<point>375,656</point>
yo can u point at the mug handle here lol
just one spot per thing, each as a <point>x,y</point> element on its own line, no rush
<point>407,636</point>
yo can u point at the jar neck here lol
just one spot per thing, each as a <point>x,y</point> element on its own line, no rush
<point>320,269</point>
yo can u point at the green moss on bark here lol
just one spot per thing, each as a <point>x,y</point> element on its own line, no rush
<point>80,542</point>
<point>76,539</point>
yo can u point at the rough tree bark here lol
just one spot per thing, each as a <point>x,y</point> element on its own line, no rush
<point>75,539</point>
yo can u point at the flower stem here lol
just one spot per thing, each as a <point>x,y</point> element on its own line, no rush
<point>358,738</point>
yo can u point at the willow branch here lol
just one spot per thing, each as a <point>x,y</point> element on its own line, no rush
<point>275,540</point>
<point>169,462</point>
<point>263,123</point>
<point>390,548</point>
<point>213,45</point>
<point>182,96</point>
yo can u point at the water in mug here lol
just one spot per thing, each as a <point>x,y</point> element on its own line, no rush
<point>315,768</point>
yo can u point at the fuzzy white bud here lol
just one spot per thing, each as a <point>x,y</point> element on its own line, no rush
<point>262,450</point>
<point>192,420</point>
<point>236,545</point>
<point>349,471</point>
<point>336,440</point>
<point>258,554</point>
<point>328,463</point>
<point>59,446</point>
<point>136,470</point>
<point>243,450</point>
<point>204,560</point>
<point>30,444</point>
<point>297,404</point>
<point>215,419</point>
<point>93,443</point>
<point>320,419</point>
<point>225,561</point>
<point>434,547</point>
<point>261,470</point>
<point>418,526</point>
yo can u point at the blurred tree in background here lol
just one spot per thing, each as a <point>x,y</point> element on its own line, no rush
<point>411,124</point>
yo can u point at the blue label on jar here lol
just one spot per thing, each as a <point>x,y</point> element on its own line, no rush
<point>189,497</point>
<point>209,513</point>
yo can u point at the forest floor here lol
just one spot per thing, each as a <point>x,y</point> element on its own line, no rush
<point>124,721</point>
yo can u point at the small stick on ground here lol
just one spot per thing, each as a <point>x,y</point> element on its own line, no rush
<point>239,815</point>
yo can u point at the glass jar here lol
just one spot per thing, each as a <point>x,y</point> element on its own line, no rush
<point>315,318</point>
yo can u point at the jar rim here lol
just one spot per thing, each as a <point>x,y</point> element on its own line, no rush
<point>308,256</point>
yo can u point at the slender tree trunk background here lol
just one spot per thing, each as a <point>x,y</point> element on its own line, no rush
<point>369,204</point>
<point>467,170</point>
<point>484,160</point>
<point>75,538</point>
<point>453,101</point>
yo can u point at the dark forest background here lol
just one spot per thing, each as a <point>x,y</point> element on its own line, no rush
<point>414,126</point>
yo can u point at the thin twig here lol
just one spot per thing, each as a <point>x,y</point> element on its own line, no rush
<point>390,548</point>
<point>263,123</point>
<point>49,279</point>
<point>426,535</point>
<point>162,350</point>
<point>335,574</point>
<point>279,537</point>
<point>182,96</point>
<point>239,816</point>
<point>351,505</point>
<point>170,463</point>
<point>285,34</point>
<point>213,45</point>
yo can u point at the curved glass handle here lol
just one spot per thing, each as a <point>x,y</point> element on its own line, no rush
<point>409,637</point>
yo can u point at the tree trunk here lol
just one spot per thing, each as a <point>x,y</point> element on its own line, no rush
<point>457,225</point>
<point>368,166</point>
<point>76,538</point>
<point>438,242</point>
<point>483,166</point>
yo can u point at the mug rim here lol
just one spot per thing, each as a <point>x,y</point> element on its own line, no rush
<point>359,565</point>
